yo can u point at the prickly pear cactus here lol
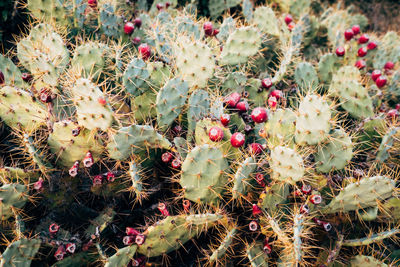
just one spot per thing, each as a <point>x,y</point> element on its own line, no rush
<point>216,133</point>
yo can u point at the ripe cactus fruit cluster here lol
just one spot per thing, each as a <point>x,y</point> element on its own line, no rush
<point>134,134</point>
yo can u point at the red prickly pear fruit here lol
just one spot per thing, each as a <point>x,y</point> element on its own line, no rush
<point>138,262</point>
<point>92,3</point>
<point>167,4</point>
<point>277,94</point>
<point>163,209</point>
<point>129,27</point>
<point>208,28</point>
<point>397,107</point>
<point>253,226</point>
<point>304,209</point>
<point>259,115</point>
<point>356,29</point>
<point>288,19</point>
<point>166,157</point>
<point>97,180</point>
<point>2,79</point>
<point>315,199</point>
<point>291,25</point>
<point>139,239</point>
<point>39,184</point>
<point>144,51</point>
<point>360,64</point>
<point>267,247</point>
<point>216,134</point>
<point>256,210</point>
<point>375,74</point>
<point>176,163</point>
<point>306,189</point>
<point>266,83</point>
<point>137,22</point>
<point>128,240</point>
<point>70,247</point>
<point>76,131</point>
<point>389,65</point>
<point>260,179</point>
<point>45,96</point>
<point>73,171</point>
<point>272,102</point>
<point>372,45</point>
<point>215,32</point>
<point>136,40</point>
<point>110,176</point>
<point>88,160</point>
<point>362,52</point>
<point>237,139</point>
<point>327,226</point>
<point>242,106</point>
<point>340,51</point>
<point>392,114</point>
<point>60,252</point>
<point>225,119</point>
<point>131,231</point>
<point>364,38</point>
<point>102,101</point>
<point>53,228</point>
<point>256,148</point>
<point>232,99</point>
<point>160,6</point>
<point>186,205</point>
<point>317,221</point>
<point>381,81</point>
<point>26,77</point>
<point>348,34</point>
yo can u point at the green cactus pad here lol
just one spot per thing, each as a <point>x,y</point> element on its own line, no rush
<point>136,177</point>
<point>144,106</point>
<point>264,18</point>
<point>220,252</point>
<point>389,50</point>
<point>122,257</point>
<point>313,120</point>
<point>49,11</point>
<point>286,164</point>
<point>386,146</point>
<point>256,255</point>
<point>170,100</point>
<point>98,224</point>
<point>363,194</point>
<point>216,7</point>
<point>20,253</point>
<point>366,261</point>
<point>199,107</point>
<point>274,196</point>
<point>327,65</point>
<point>12,75</point>
<point>242,177</point>
<point>133,138</point>
<point>111,23</point>
<point>336,154</point>
<point>13,196</point>
<point>18,109</point>
<point>243,43</point>
<point>195,63</point>
<point>203,178</point>
<point>172,232</point>
<point>90,59</point>
<point>280,127</point>
<point>92,109</point>
<point>306,76</point>
<point>37,156</point>
<point>226,28</point>
<point>43,53</point>
<point>69,148</point>
<point>135,77</point>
